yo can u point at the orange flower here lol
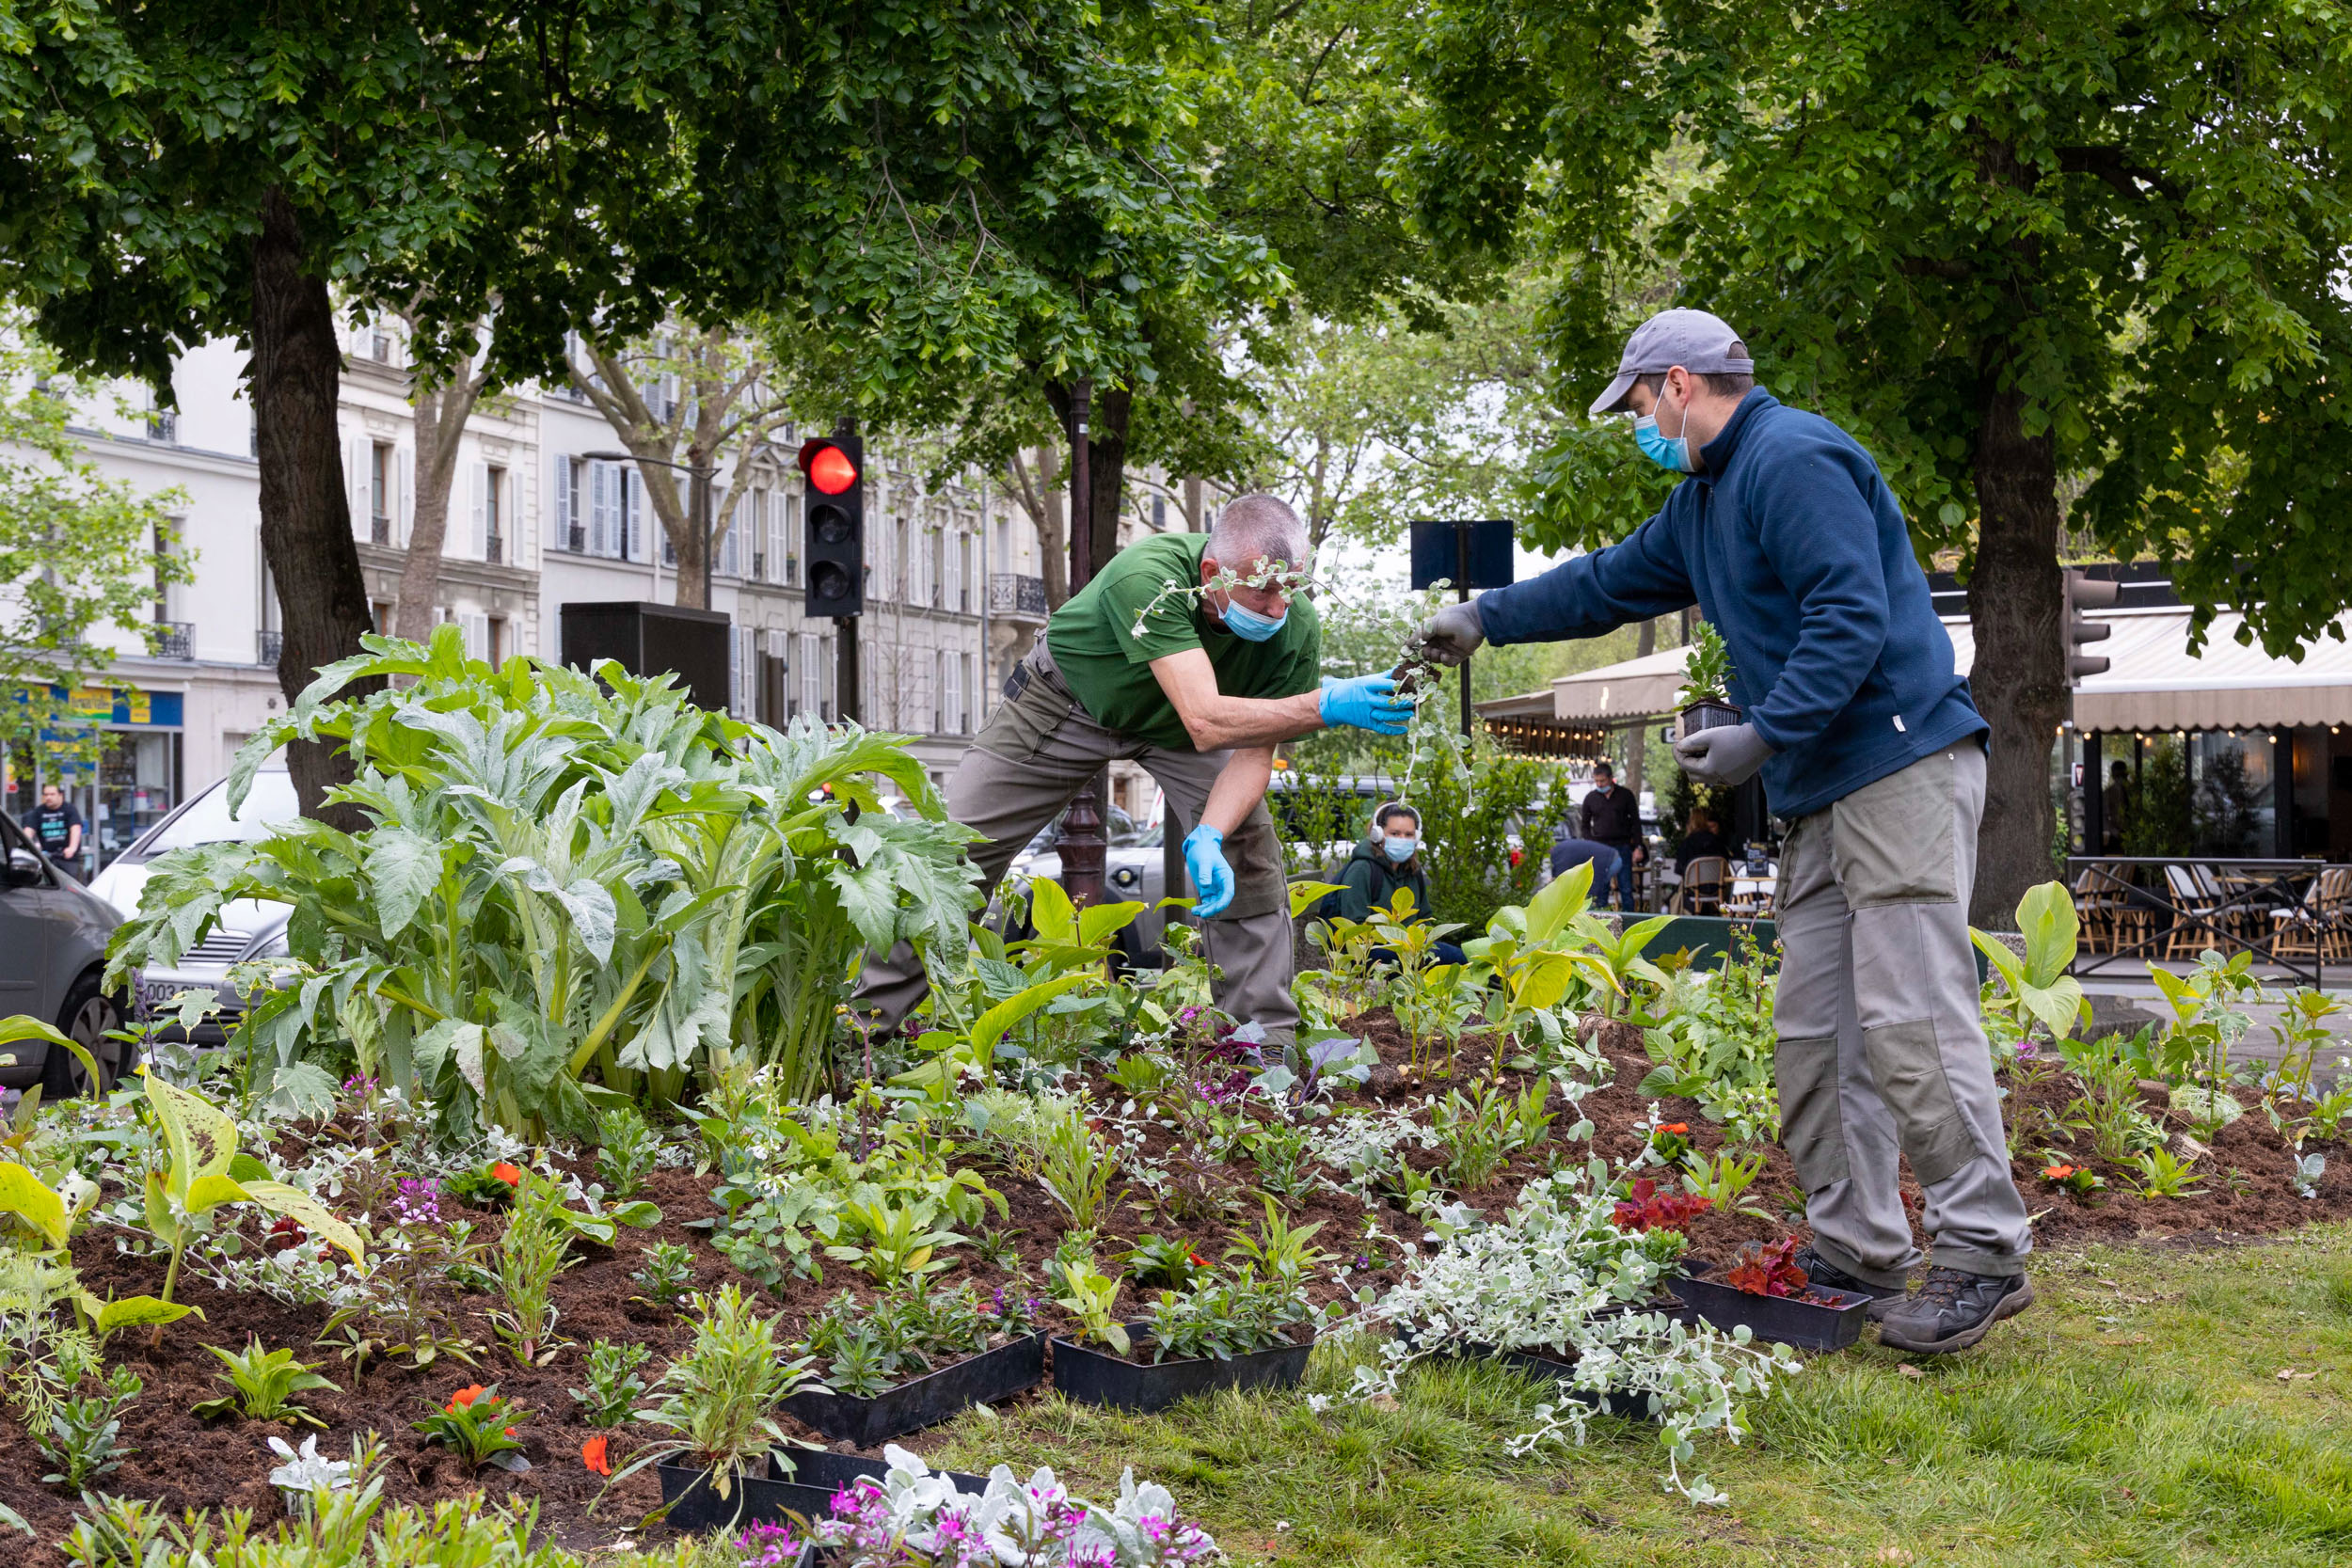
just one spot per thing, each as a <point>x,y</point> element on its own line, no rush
<point>592,1455</point>
<point>463,1397</point>
<point>1679,1128</point>
<point>2058,1173</point>
<point>511,1175</point>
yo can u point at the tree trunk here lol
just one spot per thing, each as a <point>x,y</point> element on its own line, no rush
<point>2016,605</point>
<point>440,420</point>
<point>1053,526</point>
<point>1637,747</point>
<point>306,515</point>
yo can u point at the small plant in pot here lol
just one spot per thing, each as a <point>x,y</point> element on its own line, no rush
<point>1706,695</point>
<point>914,1357</point>
<point>719,1402</point>
<point>1221,1332</point>
<point>1766,1292</point>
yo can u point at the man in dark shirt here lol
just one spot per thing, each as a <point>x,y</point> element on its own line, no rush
<point>57,827</point>
<point>1612,814</point>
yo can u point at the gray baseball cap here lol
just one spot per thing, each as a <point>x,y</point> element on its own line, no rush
<point>1700,342</point>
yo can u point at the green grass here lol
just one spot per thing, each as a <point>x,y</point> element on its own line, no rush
<point>2135,1415</point>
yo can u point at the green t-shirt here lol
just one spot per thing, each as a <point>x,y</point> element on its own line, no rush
<point>1108,667</point>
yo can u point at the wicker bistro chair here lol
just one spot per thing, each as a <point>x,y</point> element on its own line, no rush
<point>2297,930</point>
<point>2098,905</point>
<point>2198,921</point>
<point>2333,915</point>
<point>1705,881</point>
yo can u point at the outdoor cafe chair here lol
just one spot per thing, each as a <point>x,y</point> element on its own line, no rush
<point>2196,922</point>
<point>1704,882</point>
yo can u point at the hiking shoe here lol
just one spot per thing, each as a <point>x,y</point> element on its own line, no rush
<point>1953,1311</point>
<point>1829,1277</point>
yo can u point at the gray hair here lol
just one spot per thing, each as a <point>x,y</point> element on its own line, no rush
<point>1256,526</point>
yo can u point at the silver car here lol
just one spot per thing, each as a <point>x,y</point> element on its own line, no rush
<point>248,928</point>
<point>52,953</point>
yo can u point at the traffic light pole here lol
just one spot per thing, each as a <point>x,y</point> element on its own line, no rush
<point>846,682</point>
<point>1082,846</point>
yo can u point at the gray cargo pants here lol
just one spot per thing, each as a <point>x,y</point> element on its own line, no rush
<point>1881,1047</point>
<point>1030,758</point>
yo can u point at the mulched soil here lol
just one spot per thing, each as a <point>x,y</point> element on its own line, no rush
<point>181,1461</point>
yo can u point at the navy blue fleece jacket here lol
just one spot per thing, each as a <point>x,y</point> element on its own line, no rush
<point>1791,543</point>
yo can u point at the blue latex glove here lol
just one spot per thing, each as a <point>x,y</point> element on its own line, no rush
<point>1366,702</point>
<point>1204,863</point>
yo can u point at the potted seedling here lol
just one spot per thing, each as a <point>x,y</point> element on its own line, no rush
<point>1706,695</point>
<point>1236,1332</point>
<point>719,1400</point>
<point>1766,1291</point>
<point>914,1357</point>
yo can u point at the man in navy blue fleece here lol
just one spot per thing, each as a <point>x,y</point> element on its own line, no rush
<point>1791,545</point>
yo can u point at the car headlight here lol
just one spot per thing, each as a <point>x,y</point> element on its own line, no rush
<point>1125,875</point>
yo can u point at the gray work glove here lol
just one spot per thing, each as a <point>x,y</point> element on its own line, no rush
<point>1723,756</point>
<point>1450,636</point>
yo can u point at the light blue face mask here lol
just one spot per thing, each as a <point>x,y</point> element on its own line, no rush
<point>1674,455</point>
<point>1400,850</point>
<point>1250,626</point>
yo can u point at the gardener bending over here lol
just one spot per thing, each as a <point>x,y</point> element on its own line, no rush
<point>1388,859</point>
<point>1198,686</point>
<point>1792,546</point>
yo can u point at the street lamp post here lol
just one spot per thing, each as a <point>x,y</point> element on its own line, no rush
<point>698,478</point>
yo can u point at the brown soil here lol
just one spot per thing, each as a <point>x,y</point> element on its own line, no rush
<point>184,1462</point>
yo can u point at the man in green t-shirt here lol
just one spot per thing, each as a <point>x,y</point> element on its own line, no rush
<point>1199,683</point>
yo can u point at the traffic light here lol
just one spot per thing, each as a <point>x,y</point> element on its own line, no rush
<point>833,525</point>
<point>2085,592</point>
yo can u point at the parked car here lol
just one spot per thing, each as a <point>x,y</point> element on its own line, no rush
<point>52,959</point>
<point>248,928</point>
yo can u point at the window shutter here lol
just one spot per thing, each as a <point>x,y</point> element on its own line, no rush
<point>560,500</point>
<point>636,526</point>
<point>356,475</point>
<point>476,627</point>
<point>478,485</point>
<point>406,508</point>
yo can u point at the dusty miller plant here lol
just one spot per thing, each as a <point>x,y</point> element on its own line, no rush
<point>1555,1276</point>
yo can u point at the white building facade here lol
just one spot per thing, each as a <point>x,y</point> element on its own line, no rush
<point>954,593</point>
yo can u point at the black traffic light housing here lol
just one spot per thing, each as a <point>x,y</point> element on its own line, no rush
<point>833,521</point>
<point>2085,592</point>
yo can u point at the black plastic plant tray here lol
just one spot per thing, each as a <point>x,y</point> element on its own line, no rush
<point>752,1501</point>
<point>1707,716</point>
<point>817,1474</point>
<point>1784,1318</point>
<point>1092,1377</point>
<point>928,1400</point>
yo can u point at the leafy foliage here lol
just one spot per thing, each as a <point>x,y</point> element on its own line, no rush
<point>262,1384</point>
<point>559,881</point>
<point>477,1424</point>
<point>2038,987</point>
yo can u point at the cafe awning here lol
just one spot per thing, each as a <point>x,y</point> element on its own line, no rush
<point>2152,683</point>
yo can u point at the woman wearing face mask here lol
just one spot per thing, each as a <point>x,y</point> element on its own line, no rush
<point>1387,860</point>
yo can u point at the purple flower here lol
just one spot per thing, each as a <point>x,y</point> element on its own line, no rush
<point>360,1087</point>
<point>417,1202</point>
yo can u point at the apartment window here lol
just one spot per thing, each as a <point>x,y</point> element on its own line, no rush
<point>730,562</point>
<point>162,426</point>
<point>934,566</point>
<point>967,694</point>
<point>497,640</point>
<point>756,508</point>
<point>380,471</point>
<point>379,336</point>
<point>571,520</point>
<point>811,672</point>
<point>784,546</point>
<point>1159,514</point>
<point>1004,561</point>
<point>489,511</point>
<point>967,574</point>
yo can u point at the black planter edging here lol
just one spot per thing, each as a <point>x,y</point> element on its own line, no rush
<point>1093,1377</point>
<point>1784,1318</point>
<point>928,1400</point>
<point>1633,1407</point>
<point>752,1501</point>
<point>819,1473</point>
<point>1707,716</point>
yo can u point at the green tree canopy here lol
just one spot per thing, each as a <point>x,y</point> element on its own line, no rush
<point>1999,242</point>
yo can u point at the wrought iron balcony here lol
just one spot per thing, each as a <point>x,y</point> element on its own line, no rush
<point>267,647</point>
<point>175,640</point>
<point>1011,594</point>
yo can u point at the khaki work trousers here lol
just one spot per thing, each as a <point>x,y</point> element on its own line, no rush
<point>1881,1044</point>
<point>1036,754</point>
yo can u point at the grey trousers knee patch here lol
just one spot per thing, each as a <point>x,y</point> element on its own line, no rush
<point>1892,841</point>
<point>1908,1064</point>
<point>1812,1125</point>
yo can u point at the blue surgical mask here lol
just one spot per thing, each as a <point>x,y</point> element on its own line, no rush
<point>1672,454</point>
<point>1400,850</point>
<point>1250,626</point>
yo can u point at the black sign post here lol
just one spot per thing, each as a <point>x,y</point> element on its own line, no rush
<point>1468,554</point>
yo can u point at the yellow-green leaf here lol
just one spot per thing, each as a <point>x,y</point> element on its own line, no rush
<point>31,1200</point>
<point>278,1199</point>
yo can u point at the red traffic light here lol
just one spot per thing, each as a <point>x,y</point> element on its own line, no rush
<point>829,468</point>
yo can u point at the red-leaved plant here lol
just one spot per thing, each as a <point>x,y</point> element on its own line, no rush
<point>1768,1271</point>
<point>1647,1209</point>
